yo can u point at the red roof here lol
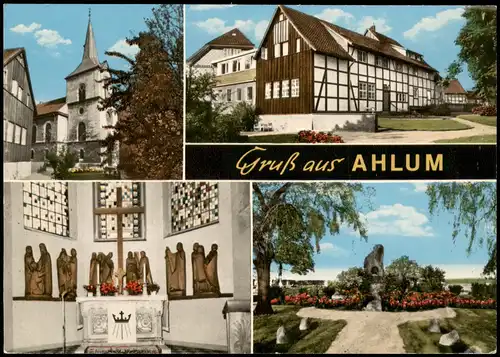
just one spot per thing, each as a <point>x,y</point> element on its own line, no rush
<point>455,88</point>
<point>50,107</point>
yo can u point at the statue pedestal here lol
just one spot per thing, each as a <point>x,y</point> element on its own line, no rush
<point>111,322</point>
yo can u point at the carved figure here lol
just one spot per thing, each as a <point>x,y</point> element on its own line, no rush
<point>44,265</point>
<point>374,262</point>
<point>73,274</point>
<point>201,284</point>
<point>111,268</point>
<point>132,267</point>
<point>93,270</point>
<point>29,267</point>
<point>144,263</point>
<point>62,264</point>
<point>211,269</point>
<point>176,271</point>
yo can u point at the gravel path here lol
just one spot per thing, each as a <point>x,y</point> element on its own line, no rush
<point>417,137</point>
<point>371,332</point>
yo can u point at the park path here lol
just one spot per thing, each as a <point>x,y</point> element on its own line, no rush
<point>417,137</point>
<point>371,332</point>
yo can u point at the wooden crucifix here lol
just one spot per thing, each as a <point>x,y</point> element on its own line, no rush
<point>119,210</point>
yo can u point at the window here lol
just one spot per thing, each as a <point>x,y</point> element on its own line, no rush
<point>82,154</point>
<point>297,45</point>
<point>33,134</point>
<point>23,136</point>
<point>193,205</point>
<point>401,97</point>
<point>264,53</point>
<point>295,87</point>
<point>28,100</point>
<point>268,90</point>
<point>81,92</point>
<point>32,154</point>
<point>223,68</point>
<point>5,76</point>
<point>14,87</point>
<point>285,88</point>
<point>17,134</point>
<point>20,93</point>
<point>382,62</point>
<point>371,91</point>
<point>81,110</point>
<point>248,63</point>
<point>429,97</point>
<point>131,197</point>
<point>228,95</point>
<point>277,50</point>
<point>249,93</point>
<point>46,207</point>
<point>48,133</point>
<point>363,90</point>
<point>236,66</point>
<point>285,48</point>
<point>281,17</point>
<point>415,91</point>
<point>238,94</point>
<point>276,89</point>
<point>82,134</point>
<point>10,132</point>
<point>399,66</point>
<point>414,70</point>
<point>280,31</point>
<point>362,56</point>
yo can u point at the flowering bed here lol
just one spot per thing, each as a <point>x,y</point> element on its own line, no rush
<point>85,169</point>
<point>485,110</point>
<point>412,301</point>
<point>309,136</point>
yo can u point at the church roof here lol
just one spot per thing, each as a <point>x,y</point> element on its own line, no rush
<point>50,107</point>
<point>89,59</point>
<point>231,39</point>
<point>455,88</point>
<point>10,53</point>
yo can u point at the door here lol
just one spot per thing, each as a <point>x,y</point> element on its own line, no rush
<point>387,99</point>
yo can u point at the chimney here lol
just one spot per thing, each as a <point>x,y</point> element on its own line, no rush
<point>372,28</point>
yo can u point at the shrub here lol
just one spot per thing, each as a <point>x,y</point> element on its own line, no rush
<point>440,110</point>
<point>485,110</point>
<point>329,290</point>
<point>456,289</point>
<point>349,279</point>
<point>483,291</point>
<point>275,292</point>
<point>302,290</point>
<point>309,136</point>
<point>61,163</point>
<point>431,279</point>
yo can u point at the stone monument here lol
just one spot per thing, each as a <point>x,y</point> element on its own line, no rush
<point>374,269</point>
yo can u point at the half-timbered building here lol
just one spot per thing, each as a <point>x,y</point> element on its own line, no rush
<point>455,93</point>
<point>312,74</point>
<point>19,109</point>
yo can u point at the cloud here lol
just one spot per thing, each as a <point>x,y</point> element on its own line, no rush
<point>368,21</point>
<point>124,48</point>
<point>420,187</point>
<point>216,26</point>
<point>430,24</point>
<point>50,38</point>
<point>208,7</point>
<point>331,249</point>
<point>397,220</point>
<point>333,15</point>
<point>22,29</point>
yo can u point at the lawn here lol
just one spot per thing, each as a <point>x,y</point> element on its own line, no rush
<point>490,121</point>
<point>477,139</point>
<point>475,327</point>
<point>317,339</point>
<point>87,176</point>
<point>420,124</point>
<point>271,139</point>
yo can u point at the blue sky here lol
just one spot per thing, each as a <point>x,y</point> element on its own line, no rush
<point>399,219</point>
<point>53,36</point>
<point>429,30</point>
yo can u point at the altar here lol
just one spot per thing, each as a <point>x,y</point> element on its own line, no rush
<point>123,321</point>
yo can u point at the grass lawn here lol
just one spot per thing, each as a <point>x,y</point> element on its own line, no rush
<point>420,124</point>
<point>86,176</point>
<point>491,121</point>
<point>265,139</point>
<point>469,281</point>
<point>477,139</point>
<point>317,339</point>
<point>476,327</point>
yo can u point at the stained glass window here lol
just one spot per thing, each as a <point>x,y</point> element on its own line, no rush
<point>46,207</point>
<point>107,198</point>
<point>193,204</point>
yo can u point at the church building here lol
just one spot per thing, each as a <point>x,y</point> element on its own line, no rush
<point>74,121</point>
<point>182,251</point>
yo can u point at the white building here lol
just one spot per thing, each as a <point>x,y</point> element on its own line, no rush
<point>63,215</point>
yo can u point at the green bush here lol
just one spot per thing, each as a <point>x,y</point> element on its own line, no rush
<point>329,290</point>
<point>287,291</point>
<point>275,292</point>
<point>431,279</point>
<point>440,110</point>
<point>349,279</point>
<point>61,163</point>
<point>456,289</point>
<point>484,291</point>
<point>302,290</point>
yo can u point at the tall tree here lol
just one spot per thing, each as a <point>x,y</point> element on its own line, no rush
<point>149,100</point>
<point>478,50</point>
<point>474,206</point>
<point>286,218</point>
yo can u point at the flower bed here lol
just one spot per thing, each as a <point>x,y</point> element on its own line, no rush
<point>309,136</point>
<point>485,110</point>
<point>413,301</point>
<point>86,169</point>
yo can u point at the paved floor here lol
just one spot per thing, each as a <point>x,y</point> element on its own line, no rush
<point>371,332</point>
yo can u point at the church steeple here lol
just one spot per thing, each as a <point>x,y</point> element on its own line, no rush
<point>89,58</point>
<point>89,49</point>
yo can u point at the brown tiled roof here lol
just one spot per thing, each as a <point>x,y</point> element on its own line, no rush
<point>455,88</point>
<point>315,33</point>
<point>50,107</point>
<point>386,39</point>
<point>10,53</point>
<point>231,39</point>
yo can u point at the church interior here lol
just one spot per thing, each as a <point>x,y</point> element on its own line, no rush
<point>156,267</point>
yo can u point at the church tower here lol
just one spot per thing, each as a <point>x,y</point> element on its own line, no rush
<point>84,90</point>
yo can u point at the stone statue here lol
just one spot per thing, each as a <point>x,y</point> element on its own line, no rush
<point>144,263</point>
<point>93,270</point>
<point>200,282</point>
<point>101,260</point>
<point>211,270</point>
<point>132,267</point>
<point>374,262</point>
<point>29,267</point>
<point>44,267</point>
<point>62,264</point>
<point>73,275</point>
<point>176,271</point>
<point>110,268</point>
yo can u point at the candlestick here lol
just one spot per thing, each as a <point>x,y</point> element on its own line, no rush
<point>98,290</point>
<point>98,277</point>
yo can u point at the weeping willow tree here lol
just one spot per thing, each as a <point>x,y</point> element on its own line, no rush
<point>288,218</point>
<point>474,206</point>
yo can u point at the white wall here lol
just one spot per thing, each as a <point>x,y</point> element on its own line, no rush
<point>293,123</point>
<point>16,170</point>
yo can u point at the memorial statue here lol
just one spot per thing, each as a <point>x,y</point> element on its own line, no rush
<point>200,282</point>
<point>111,268</point>
<point>29,265</point>
<point>44,266</point>
<point>132,267</point>
<point>73,275</point>
<point>93,270</point>
<point>211,269</point>
<point>101,260</point>
<point>144,265</point>
<point>374,262</point>
<point>62,264</point>
<point>176,271</point>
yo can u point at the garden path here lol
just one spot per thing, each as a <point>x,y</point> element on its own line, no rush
<point>416,137</point>
<point>372,332</point>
